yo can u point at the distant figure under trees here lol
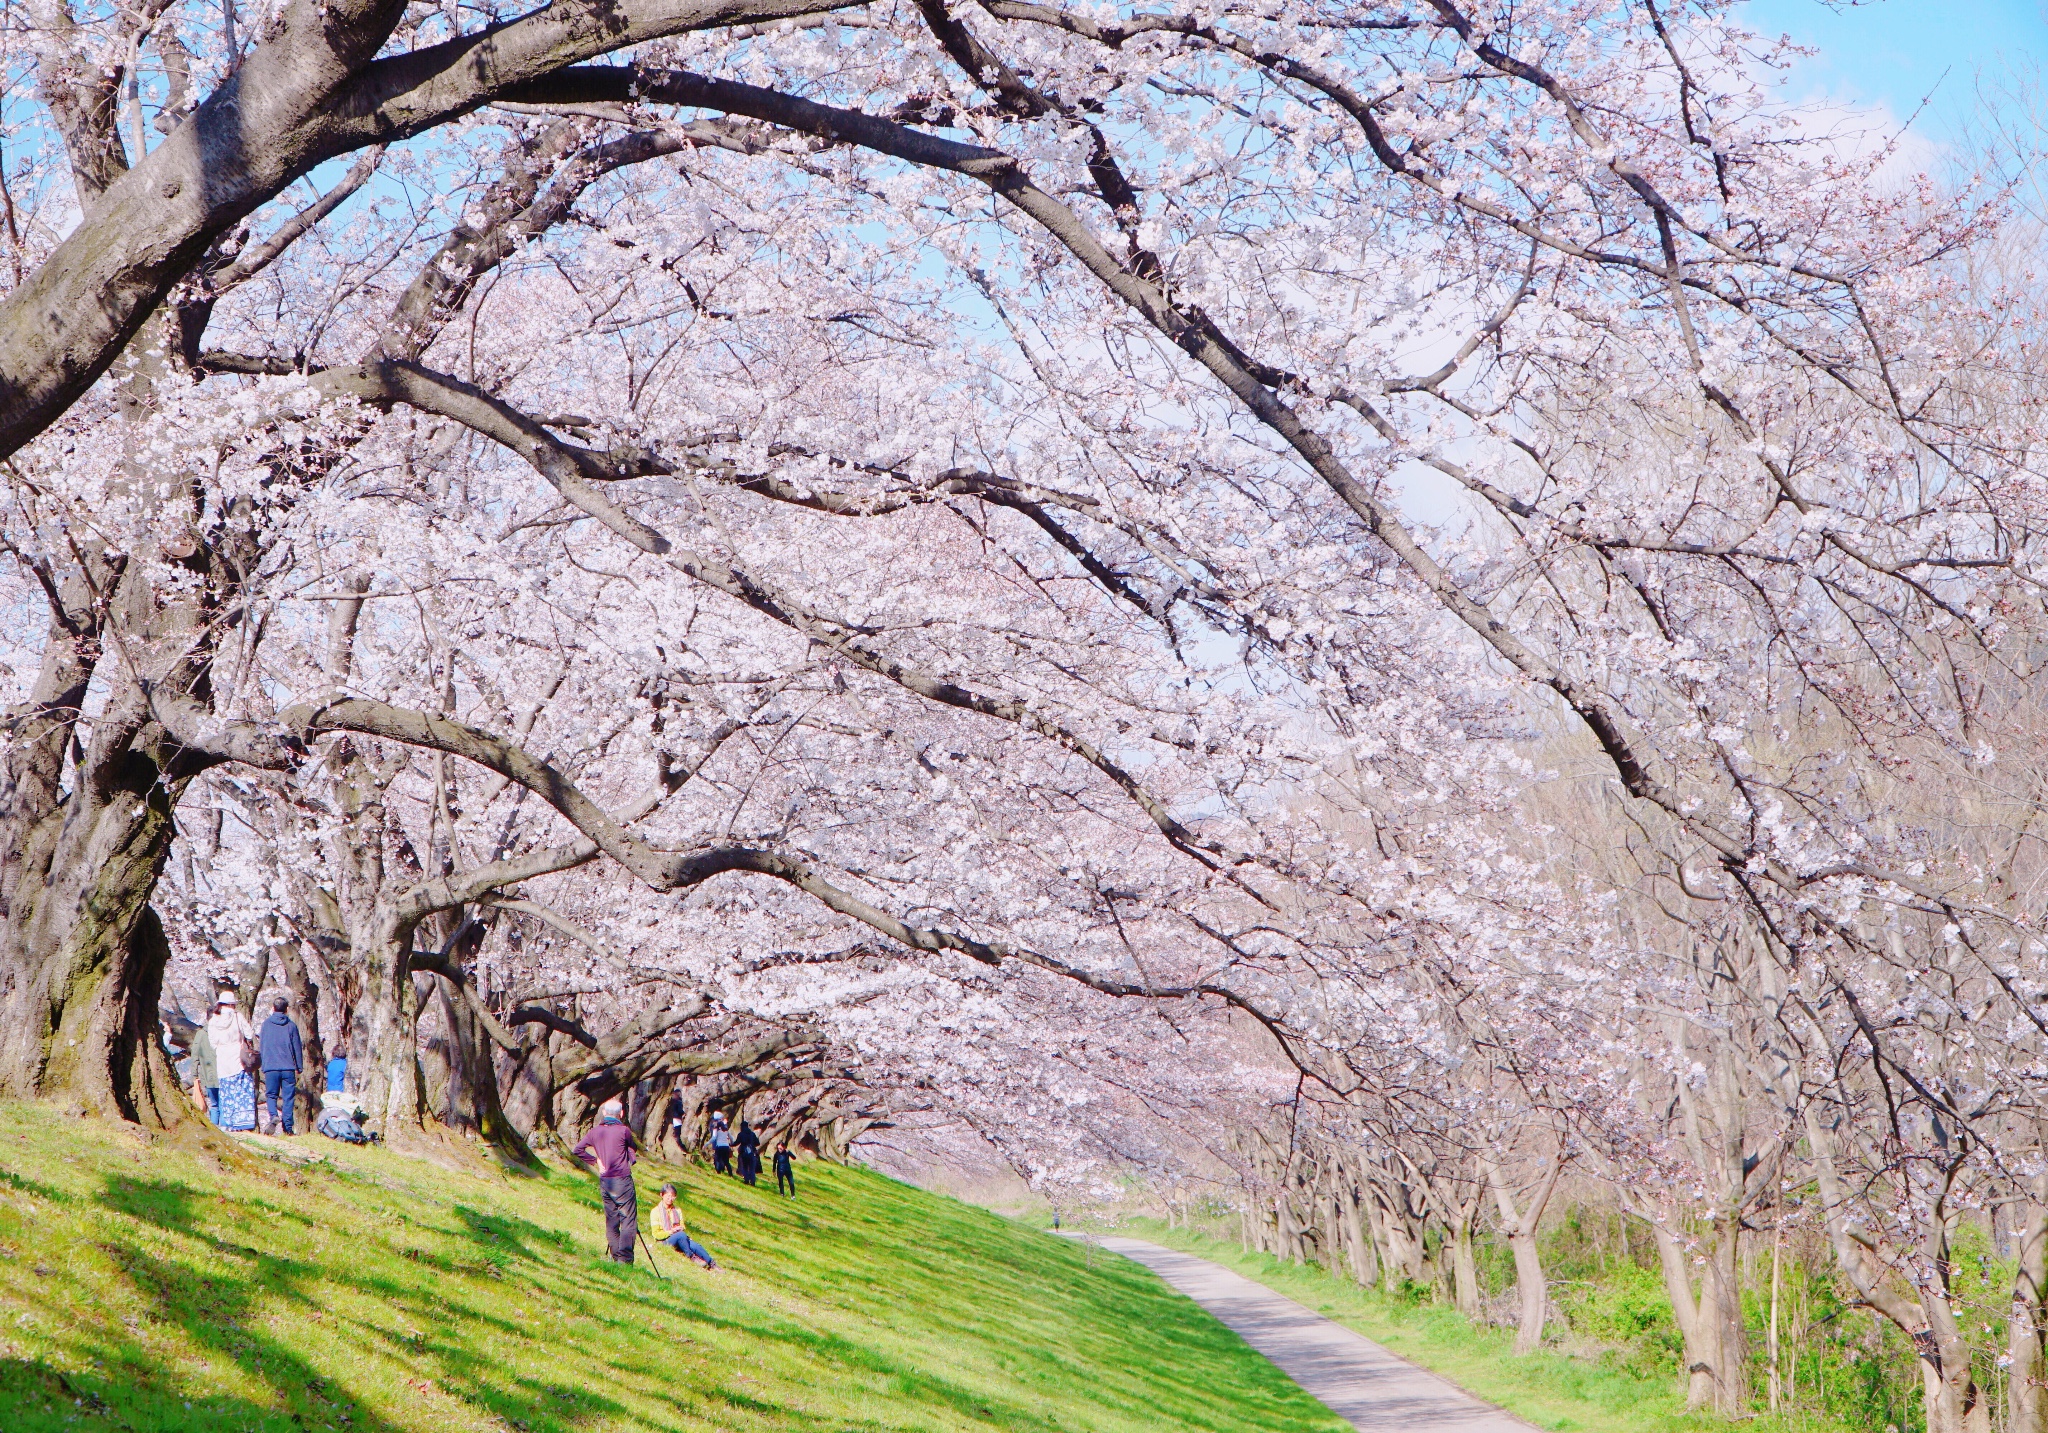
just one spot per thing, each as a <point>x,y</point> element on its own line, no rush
<point>234,1052</point>
<point>749,1146</point>
<point>283,1053</point>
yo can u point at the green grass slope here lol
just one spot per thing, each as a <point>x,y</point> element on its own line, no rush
<point>149,1288</point>
<point>1549,1388</point>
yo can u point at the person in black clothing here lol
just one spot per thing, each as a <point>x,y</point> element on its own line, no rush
<point>785,1174</point>
<point>749,1146</point>
<point>672,1118</point>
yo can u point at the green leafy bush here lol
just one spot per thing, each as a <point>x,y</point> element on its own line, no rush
<point>1627,1309</point>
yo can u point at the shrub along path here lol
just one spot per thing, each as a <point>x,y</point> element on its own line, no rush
<point>1349,1373</point>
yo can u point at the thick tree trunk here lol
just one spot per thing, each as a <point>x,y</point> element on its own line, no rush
<point>306,1003</point>
<point>1401,1235</point>
<point>442,1098</point>
<point>1721,1301</point>
<point>1954,1402</point>
<point>1521,1227</point>
<point>1333,1238</point>
<point>2026,1399</point>
<point>1698,1331</point>
<point>1711,1326</point>
<point>1286,1228</point>
<point>1951,1397</point>
<point>388,1032</point>
<point>1365,1264</point>
<point>476,1082</point>
<point>1534,1291</point>
<point>82,955</point>
<point>1464,1266</point>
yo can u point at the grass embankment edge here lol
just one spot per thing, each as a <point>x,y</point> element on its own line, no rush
<point>159,1288</point>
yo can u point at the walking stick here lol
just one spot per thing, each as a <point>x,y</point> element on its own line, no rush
<point>650,1255</point>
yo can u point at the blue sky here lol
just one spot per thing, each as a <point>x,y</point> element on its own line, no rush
<point>1899,52</point>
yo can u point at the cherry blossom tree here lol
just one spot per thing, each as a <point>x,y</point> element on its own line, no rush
<point>906,525</point>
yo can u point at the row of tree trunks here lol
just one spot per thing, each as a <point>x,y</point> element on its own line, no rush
<point>1375,1223</point>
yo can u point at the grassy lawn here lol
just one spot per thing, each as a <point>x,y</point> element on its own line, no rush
<point>147,1287</point>
<point>1550,1389</point>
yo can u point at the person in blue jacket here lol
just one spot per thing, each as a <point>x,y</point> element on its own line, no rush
<point>283,1053</point>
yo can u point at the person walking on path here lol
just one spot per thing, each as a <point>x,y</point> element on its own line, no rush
<point>205,1074</point>
<point>612,1147</point>
<point>234,1053</point>
<point>721,1145</point>
<point>283,1054</point>
<point>785,1172</point>
<point>667,1219</point>
<point>749,1146</point>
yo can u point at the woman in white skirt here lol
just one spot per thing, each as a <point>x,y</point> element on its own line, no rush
<point>234,1043</point>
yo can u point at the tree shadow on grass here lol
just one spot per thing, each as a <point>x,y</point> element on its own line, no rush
<point>511,1234</point>
<point>23,1184</point>
<point>215,1308</point>
<point>37,1398</point>
<point>1147,1356</point>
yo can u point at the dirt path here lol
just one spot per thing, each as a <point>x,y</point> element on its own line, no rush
<point>1359,1381</point>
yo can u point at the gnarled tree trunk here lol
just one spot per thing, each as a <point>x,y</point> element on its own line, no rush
<point>82,955</point>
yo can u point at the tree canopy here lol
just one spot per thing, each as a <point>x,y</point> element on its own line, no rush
<point>1078,574</point>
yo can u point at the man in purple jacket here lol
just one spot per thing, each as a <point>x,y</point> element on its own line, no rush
<point>610,1146</point>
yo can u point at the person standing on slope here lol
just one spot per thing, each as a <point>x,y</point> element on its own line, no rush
<point>749,1146</point>
<point>283,1054</point>
<point>612,1147</point>
<point>721,1145</point>
<point>785,1173</point>
<point>234,1052</point>
<point>205,1074</point>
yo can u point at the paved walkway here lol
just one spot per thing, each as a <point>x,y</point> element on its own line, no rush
<point>1360,1381</point>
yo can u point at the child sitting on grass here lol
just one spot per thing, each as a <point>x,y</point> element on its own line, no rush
<point>667,1219</point>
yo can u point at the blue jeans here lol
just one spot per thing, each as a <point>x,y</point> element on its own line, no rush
<point>285,1082</point>
<point>682,1243</point>
<point>213,1103</point>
